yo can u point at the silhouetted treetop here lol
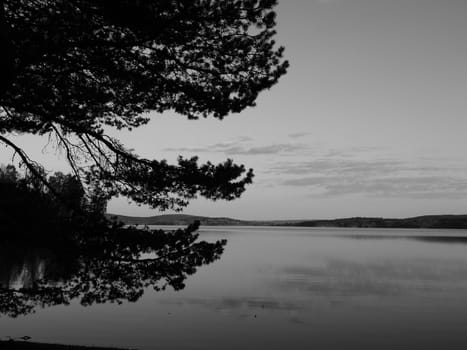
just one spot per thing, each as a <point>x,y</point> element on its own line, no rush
<point>71,68</point>
<point>107,62</point>
<point>29,209</point>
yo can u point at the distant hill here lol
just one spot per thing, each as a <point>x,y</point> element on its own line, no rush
<point>427,221</point>
<point>177,219</point>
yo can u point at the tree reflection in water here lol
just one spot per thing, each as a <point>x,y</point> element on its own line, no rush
<point>114,264</point>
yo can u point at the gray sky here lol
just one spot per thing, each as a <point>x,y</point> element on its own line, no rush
<point>369,121</point>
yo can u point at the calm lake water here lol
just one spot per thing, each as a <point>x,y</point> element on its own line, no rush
<point>288,288</point>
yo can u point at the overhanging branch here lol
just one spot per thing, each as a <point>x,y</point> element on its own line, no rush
<point>29,164</point>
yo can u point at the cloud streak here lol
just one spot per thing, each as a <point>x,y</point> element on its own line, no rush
<point>238,147</point>
<point>380,178</point>
<point>295,135</point>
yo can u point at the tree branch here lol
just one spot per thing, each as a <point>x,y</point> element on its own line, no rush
<point>69,154</point>
<point>29,164</point>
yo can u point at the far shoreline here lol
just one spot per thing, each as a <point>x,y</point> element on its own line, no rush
<point>26,345</point>
<point>419,222</point>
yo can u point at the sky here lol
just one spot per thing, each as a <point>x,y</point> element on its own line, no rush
<point>369,121</point>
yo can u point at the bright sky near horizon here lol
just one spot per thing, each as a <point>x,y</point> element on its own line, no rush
<point>369,121</point>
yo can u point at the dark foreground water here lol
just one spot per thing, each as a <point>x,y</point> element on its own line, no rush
<point>288,288</point>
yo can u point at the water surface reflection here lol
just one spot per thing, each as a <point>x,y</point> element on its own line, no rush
<point>293,288</point>
<point>116,266</point>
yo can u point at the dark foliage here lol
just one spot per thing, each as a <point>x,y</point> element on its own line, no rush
<point>29,209</point>
<point>106,265</point>
<point>74,252</point>
<point>73,68</point>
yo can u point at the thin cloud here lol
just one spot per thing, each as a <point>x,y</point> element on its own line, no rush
<point>344,166</point>
<point>269,149</point>
<point>336,166</point>
<point>217,147</point>
<point>237,148</point>
<point>381,178</point>
<point>295,135</point>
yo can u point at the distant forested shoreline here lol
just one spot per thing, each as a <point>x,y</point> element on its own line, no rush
<point>427,221</point>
